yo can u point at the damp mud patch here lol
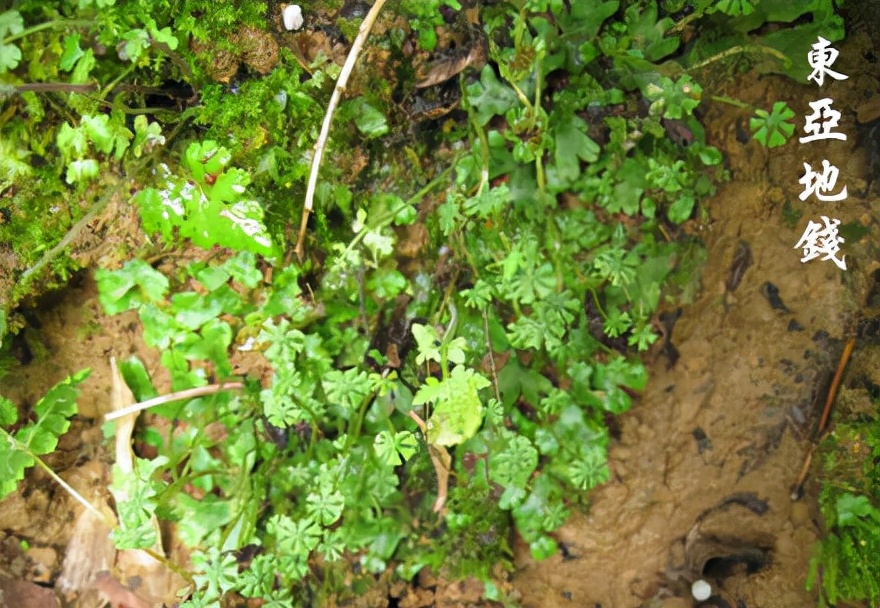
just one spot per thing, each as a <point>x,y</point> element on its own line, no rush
<point>727,544</point>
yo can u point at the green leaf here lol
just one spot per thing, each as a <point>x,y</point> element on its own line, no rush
<point>583,20</point>
<point>243,268</point>
<point>258,580</point>
<point>191,309</point>
<point>206,158</point>
<point>533,284</point>
<point>590,468</point>
<point>616,265</point>
<point>146,135</point>
<point>620,372</point>
<point>53,411</point>
<point>681,209</point>
<point>649,32</point>
<point>488,202</point>
<point>735,8</point>
<point>133,285</point>
<point>573,145</point>
<point>526,333</point>
<point>325,506</point>
<point>213,514</point>
<point>295,538</point>
<point>98,130</point>
<point>347,388</point>
<point>852,508</point>
<point>207,215</point>
<point>13,463</point>
<point>72,52</point>
<point>216,573</point>
<point>138,378</point>
<point>83,68</point>
<point>387,283</point>
<point>490,97</point>
<point>212,277</point>
<point>163,36</point>
<point>11,23</point>
<point>772,129</point>
<point>160,328</point>
<point>8,412</point>
<point>390,448</point>
<point>369,120</point>
<point>458,411</point>
<point>82,170</point>
<point>73,143</point>
<point>210,343</point>
<point>543,548</point>
<point>428,342</point>
<point>407,443</point>
<point>512,465</point>
<point>229,186</point>
<point>135,42</point>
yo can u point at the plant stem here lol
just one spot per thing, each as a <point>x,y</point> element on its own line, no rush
<point>734,102</point>
<point>76,495</point>
<point>491,353</point>
<point>738,50</point>
<point>55,87</point>
<point>49,25</point>
<point>341,82</point>
<point>189,393</point>
<point>387,219</point>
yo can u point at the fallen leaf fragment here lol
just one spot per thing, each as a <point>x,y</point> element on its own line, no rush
<point>116,593</point>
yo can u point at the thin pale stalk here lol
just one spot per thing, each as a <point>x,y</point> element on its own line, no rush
<point>190,393</point>
<point>341,82</point>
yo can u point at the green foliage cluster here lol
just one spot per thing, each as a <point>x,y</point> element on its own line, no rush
<point>776,35</point>
<point>844,566</point>
<point>212,193</point>
<point>553,236</point>
<point>20,449</point>
<point>89,90</point>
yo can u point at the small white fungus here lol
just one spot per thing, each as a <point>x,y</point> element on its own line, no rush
<point>701,590</point>
<point>293,17</point>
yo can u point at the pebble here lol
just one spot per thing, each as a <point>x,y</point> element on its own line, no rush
<point>701,590</point>
<point>293,17</point>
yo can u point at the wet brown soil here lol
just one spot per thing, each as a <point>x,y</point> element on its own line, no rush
<point>704,465</point>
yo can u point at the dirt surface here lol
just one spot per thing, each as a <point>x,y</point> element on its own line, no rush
<point>703,467</point>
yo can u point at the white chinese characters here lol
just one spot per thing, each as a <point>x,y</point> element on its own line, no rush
<point>820,59</point>
<point>818,240</point>
<point>821,183</point>
<point>822,130</point>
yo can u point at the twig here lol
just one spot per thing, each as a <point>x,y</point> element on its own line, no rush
<point>491,354</point>
<point>189,393</point>
<point>798,488</point>
<point>419,422</point>
<point>341,82</point>
<point>55,87</point>
<point>442,462</point>
<point>70,490</point>
<point>835,384</point>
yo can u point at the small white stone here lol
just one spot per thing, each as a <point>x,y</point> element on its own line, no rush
<point>293,17</point>
<point>701,590</point>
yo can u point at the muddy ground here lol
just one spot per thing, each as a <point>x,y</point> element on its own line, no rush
<point>704,464</point>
